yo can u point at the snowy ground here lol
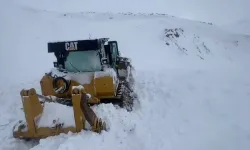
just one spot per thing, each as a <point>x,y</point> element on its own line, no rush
<point>194,89</point>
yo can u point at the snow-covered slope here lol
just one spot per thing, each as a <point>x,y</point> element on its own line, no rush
<point>203,10</point>
<point>192,79</point>
<point>240,27</point>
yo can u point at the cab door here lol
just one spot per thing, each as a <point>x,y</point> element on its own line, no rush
<point>114,51</point>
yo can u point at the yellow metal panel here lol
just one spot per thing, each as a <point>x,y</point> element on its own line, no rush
<point>104,86</point>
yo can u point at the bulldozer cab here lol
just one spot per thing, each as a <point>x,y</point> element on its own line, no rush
<point>85,55</point>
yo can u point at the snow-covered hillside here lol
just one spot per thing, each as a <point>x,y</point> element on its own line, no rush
<point>240,27</point>
<point>192,79</point>
<point>203,10</point>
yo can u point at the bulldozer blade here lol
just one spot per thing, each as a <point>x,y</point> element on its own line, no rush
<point>34,111</point>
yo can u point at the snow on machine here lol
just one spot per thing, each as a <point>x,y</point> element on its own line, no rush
<point>86,72</point>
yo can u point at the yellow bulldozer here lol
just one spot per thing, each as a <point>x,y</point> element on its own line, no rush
<point>85,73</point>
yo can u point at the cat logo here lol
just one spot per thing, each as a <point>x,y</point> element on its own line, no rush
<point>71,46</point>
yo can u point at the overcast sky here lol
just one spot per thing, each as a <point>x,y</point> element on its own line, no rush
<point>217,11</point>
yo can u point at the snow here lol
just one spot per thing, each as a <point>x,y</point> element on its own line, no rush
<point>122,72</point>
<point>18,124</point>
<point>106,72</point>
<point>79,87</point>
<point>202,10</point>
<point>80,77</point>
<point>85,77</point>
<point>240,27</point>
<point>54,113</point>
<point>185,102</point>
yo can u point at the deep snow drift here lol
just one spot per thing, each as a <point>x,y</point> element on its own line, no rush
<point>192,79</point>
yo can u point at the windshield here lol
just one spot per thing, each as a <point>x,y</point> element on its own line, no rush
<point>83,61</point>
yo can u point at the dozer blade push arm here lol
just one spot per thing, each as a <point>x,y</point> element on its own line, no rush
<point>80,98</point>
<point>88,112</point>
<point>95,122</point>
